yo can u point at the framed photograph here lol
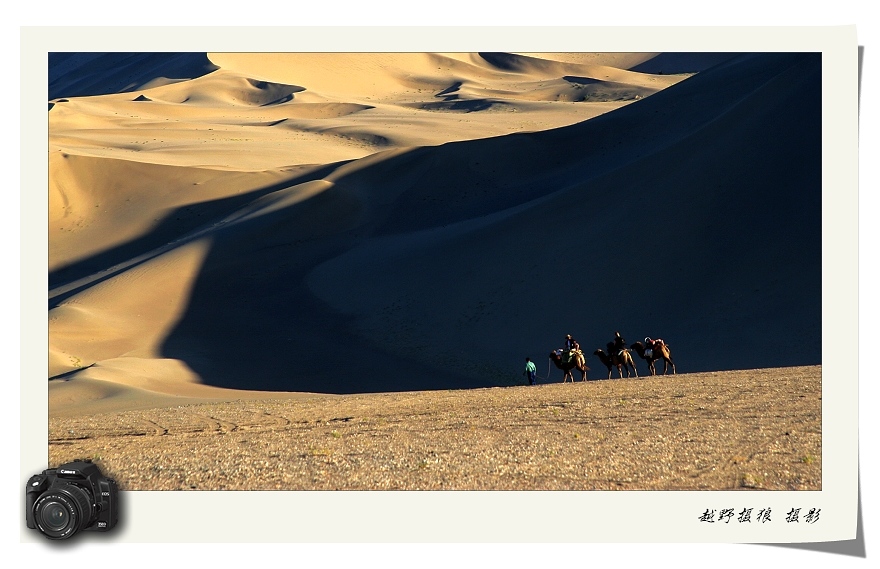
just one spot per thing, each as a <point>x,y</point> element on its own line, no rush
<point>418,286</point>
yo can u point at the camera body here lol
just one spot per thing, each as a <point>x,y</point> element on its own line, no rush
<point>74,497</point>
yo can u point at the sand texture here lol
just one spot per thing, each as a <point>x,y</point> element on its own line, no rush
<point>758,429</point>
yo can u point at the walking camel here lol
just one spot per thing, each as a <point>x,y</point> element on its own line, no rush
<point>622,360</point>
<point>578,363</point>
<point>661,353</point>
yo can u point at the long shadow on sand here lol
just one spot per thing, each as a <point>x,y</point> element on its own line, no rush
<point>178,223</point>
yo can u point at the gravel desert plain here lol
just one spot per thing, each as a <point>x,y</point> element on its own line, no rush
<point>757,429</point>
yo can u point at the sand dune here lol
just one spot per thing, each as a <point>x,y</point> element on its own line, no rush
<point>339,223</point>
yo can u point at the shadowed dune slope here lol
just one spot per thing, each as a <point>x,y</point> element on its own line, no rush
<point>104,212</point>
<point>85,74</point>
<point>693,214</point>
<point>665,63</point>
<point>668,62</point>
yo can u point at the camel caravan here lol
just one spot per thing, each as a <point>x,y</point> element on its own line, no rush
<point>571,357</point>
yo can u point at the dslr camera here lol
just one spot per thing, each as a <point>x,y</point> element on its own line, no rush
<point>74,497</point>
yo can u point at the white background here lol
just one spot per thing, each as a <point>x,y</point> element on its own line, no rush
<point>632,13</point>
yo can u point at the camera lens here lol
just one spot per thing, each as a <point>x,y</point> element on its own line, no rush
<point>55,516</point>
<point>62,511</point>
